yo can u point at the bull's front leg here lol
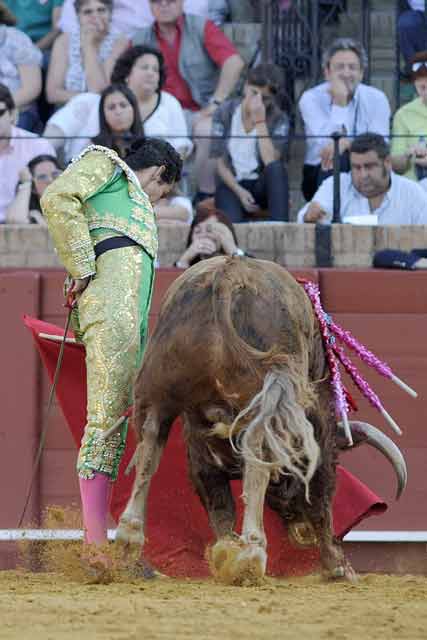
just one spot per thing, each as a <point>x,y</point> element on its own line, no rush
<point>244,561</point>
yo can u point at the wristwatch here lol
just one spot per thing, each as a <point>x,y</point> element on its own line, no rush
<point>239,252</point>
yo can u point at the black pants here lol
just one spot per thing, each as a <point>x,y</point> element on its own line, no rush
<point>313,176</point>
<point>270,191</point>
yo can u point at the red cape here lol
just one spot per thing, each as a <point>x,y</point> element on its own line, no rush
<point>177,526</point>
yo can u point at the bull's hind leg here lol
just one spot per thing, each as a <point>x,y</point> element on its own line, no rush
<point>154,436</point>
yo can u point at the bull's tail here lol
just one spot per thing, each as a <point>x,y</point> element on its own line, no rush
<point>232,277</point>
<point>278,434</point>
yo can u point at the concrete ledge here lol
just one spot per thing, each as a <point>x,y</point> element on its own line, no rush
<point>289,244</point>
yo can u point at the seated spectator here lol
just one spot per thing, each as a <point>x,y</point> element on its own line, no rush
<point>120,123</point>
<point>250,137</point>
<point>33,180</point>
<point>20,69</point>
<point>412,30</point>
<point>203,69</point>
<point>82,60</point>
<point>211,234</point>
<point>371,194</point>
<point>128,16</point>
<point>142,69</point>
<point>38,20</point>
<point>17,148</point>
<point>341,104</point>
<point>409,154</point>
<point>119,119</point>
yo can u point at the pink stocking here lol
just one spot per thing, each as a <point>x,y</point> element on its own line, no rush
<point>95,496</point>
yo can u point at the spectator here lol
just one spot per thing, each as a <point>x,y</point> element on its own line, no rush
<point>371,193</point>
<point>211,234</point>
<point>250,137</point>
<point>142,69</point>
<point>119,119</point>
<point>341,104</point>
<point>128,16</point>
<point>409,154</point>
<point>39,20</point>
<point>412,30</point>
<point>20,69</point>
<point>120,123</point>
<point>17,148</point>
<point>83,60</point>
<point>33,180</point>
<point>203,69</point>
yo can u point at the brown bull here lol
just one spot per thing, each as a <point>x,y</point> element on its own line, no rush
<point>237,353</point>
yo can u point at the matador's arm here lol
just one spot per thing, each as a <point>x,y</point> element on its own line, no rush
<point>63,207</point>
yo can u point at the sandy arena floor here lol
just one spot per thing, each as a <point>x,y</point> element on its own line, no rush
<point>49,607</point>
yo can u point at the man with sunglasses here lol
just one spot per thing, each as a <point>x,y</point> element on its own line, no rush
<point>249,141</point>
<point>203,68</point>
<point>17,148</point>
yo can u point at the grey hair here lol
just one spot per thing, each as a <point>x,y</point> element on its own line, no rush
<point>345,44</point>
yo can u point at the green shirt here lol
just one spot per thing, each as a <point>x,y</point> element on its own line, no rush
<point>34,17</point>
<point>409,120</point>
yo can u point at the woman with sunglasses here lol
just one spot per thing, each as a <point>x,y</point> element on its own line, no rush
<point>33,180</point>
<point>82,60</point>
<point>409,143</point>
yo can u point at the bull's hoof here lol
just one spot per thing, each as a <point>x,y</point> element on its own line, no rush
<point>344,572</point>
<point>130,531</point>
<point>234,562</point>
<point>143,569</point>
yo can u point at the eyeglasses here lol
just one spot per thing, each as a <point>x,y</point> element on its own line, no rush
<point>419,65</point>
<point>162,1</point>
<point>3,111</point>
<point>44,177</point>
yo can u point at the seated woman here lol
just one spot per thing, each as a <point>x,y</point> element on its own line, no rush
<point>409,141</point>
<point>120,122</point>
<point>142,69</point>
<point>211,234</point>
<point>33,180</point>
<point>83,60</point>
<point>20,70</point>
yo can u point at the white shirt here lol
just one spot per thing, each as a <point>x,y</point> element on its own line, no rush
<point>15,157</point>
<point>80,118</point>
<point>417,5</point>
<point>128,15</point>
<point>369,110</point>
<point>242,148</point>
<point>404,203</point>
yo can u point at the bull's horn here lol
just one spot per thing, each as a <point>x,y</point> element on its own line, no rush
<point>363,432</point>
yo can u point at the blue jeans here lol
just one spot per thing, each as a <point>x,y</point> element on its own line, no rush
<point>412,30</point>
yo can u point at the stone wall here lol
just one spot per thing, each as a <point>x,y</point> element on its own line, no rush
<point>292,245</point>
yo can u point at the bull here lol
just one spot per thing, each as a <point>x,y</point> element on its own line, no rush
<point>238,354</point>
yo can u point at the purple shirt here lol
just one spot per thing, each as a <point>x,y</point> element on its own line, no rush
<point>14,158</point>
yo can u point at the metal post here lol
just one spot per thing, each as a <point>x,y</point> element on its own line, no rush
<point>336,177</point>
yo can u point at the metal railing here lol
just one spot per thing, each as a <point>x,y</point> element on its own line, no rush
<point>295,32</point>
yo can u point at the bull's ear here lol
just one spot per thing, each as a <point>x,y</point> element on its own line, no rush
<point>363,432</point>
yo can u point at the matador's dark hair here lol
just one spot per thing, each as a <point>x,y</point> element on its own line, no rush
<point>153,152</point>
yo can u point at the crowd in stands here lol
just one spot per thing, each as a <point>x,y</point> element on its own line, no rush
<point>79,72</point>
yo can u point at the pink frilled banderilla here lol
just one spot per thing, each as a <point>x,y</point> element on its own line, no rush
<point>333,334</point>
